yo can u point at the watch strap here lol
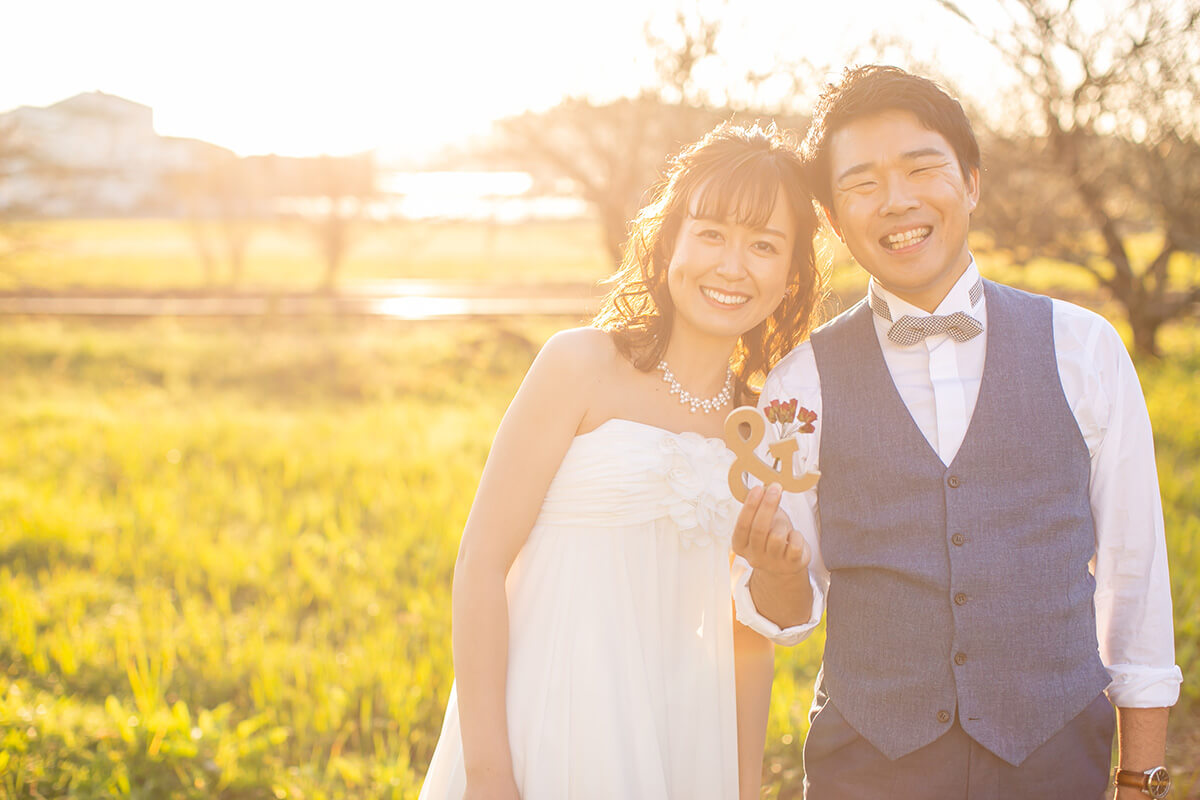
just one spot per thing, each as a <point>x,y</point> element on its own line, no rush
<point>1154,782</point>
<point>1130,778</point>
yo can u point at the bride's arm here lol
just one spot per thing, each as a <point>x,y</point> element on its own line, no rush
<point>536,431</point>
<point>754,665</point>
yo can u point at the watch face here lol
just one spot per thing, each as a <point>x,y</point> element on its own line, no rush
<point>1158,782</point>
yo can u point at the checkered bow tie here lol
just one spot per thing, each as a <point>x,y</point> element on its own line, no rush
<point>909,330</point>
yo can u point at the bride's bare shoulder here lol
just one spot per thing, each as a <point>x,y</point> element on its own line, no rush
<point>582,351</point>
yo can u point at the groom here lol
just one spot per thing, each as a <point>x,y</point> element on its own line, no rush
<point>987,533</point>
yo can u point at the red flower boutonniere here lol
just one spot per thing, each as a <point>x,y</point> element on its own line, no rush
<point>790,417</point>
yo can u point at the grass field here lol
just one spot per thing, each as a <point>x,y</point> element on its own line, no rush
<point>159,254</point>
<point>226,550</point>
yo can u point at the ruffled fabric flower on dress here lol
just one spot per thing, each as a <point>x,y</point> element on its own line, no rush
<point>696,476</point>
<point>626,472</point>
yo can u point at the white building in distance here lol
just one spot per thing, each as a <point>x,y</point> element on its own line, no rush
<point>93,154</point>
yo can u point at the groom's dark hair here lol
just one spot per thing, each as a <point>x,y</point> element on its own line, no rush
<point>872,89</point>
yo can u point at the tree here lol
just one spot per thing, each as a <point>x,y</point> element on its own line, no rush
<point>611,153</point>
<point>336,191</point>
<point>26,179</point>
<point>1100,151</point>
<point>11,156</point>
<point>224,200</point>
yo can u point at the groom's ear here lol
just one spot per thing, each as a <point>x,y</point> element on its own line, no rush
<point>972,184</point>
<point>833,223</point>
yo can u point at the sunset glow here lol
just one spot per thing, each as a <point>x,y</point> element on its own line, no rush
<point>405,78</point>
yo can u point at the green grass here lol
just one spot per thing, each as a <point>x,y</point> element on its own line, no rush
<point>226,548</point>
<point>160,254</point>
<point>226,551</point>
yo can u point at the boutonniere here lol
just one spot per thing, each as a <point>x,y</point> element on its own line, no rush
<point>790,417</point>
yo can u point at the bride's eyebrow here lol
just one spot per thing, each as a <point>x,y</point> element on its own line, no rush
<point>715,221</point>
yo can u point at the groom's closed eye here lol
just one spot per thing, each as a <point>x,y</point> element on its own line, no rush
<point>856,177</point>
<point>859,186</point>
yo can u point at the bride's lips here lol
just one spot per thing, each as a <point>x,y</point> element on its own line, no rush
<point>904,239</point>
<point>724,299</point>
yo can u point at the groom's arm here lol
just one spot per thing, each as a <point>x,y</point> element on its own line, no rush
<point>1134,611</point>
<point>1134,626</point>
<point>780,588</point>
<point>1141,743</point>
<point>775,595</point>
<point>786,600</point>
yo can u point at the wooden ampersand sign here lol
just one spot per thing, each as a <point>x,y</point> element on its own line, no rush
<point>747,462</point>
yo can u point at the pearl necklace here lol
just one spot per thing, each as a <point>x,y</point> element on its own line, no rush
<point>688,399</point>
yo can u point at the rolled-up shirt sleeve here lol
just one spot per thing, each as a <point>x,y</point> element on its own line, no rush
<point>1134,624</point>
<point>795,377</point>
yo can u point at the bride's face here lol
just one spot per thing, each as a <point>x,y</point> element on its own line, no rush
<point>725,277</point>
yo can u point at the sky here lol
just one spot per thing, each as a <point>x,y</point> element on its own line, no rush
<point>403,77</point>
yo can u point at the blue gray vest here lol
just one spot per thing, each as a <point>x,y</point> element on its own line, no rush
<point>961,589</point>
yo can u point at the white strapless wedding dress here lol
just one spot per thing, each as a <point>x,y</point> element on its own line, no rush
<point>620,666</point>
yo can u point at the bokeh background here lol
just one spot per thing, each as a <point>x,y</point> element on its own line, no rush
<point>270,273</point>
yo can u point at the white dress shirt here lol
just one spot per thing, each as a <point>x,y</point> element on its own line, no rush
<point>938,379</point>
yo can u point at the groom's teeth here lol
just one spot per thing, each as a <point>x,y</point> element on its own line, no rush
<point>905,238</point>
<point>721,297</point>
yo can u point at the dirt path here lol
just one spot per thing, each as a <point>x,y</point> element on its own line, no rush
<point>395,299</point>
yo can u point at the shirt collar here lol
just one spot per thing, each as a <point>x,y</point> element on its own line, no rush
<point>963,296</point>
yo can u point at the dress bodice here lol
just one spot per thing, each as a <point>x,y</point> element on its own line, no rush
<point>628,473</point>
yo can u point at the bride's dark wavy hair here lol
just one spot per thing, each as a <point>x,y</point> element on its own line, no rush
<point>734,173</point>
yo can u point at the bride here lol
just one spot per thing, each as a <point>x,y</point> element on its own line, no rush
<point>595,651</point>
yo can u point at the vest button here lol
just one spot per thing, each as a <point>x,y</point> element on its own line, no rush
<point>943,716</point>
<point>960,599</point>
<point>958,539</point>
<point>953,482</point>
<point>960,658</point>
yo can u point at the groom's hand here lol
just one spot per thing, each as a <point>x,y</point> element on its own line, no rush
<point>764,536</point>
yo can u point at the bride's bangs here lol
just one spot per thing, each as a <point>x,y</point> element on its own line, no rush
<point>742,193</point>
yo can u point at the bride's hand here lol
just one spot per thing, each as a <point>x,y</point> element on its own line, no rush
<point>764,536</point>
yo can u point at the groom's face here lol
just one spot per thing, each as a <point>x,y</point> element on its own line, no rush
<point>902,204</point>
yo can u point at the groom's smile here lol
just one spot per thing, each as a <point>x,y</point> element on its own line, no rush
<point>906,238</point>
<point>902,204</point>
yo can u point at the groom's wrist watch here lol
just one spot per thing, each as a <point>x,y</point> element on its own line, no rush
<point>1154,782</point>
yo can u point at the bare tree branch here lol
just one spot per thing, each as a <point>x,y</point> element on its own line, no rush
<point>1118,151</point>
